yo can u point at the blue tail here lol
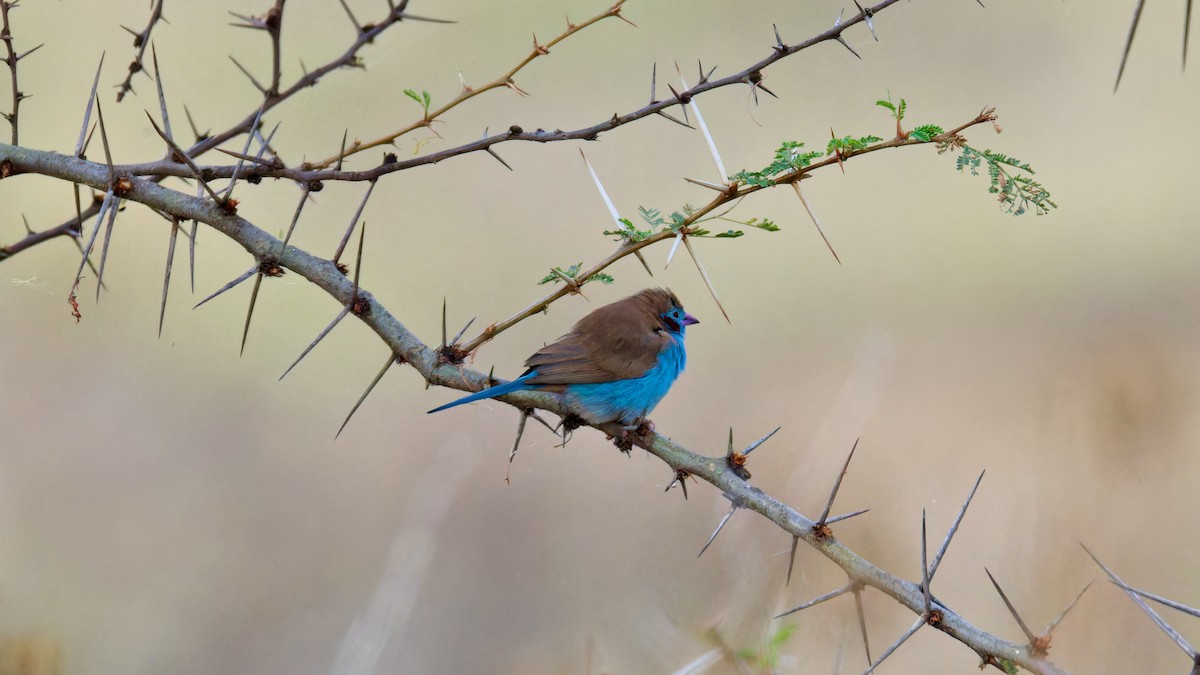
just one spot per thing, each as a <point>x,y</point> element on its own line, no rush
<point>498,390</point>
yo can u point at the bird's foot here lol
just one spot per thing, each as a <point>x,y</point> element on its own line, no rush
<point>642,430</point>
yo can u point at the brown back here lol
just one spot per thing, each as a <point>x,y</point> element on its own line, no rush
<point>618,341</point>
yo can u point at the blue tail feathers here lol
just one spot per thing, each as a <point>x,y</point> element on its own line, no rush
<point>498,390</point>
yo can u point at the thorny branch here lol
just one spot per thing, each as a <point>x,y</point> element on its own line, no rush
<point>433,367</point>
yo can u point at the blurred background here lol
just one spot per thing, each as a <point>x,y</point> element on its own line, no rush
<point>168,506</point>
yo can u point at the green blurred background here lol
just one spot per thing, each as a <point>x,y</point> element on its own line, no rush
<point>166,506</point>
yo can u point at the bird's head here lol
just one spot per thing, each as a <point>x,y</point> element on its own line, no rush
<point>670,311</point>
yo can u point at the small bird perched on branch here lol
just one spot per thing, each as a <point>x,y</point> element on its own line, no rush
<point>615,365</point>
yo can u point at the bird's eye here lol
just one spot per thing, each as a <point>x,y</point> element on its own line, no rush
<point>672,320</point>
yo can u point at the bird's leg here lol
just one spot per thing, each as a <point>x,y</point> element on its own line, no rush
<point>568,424</point>
<point>644,428</point>
<point>641,428</point>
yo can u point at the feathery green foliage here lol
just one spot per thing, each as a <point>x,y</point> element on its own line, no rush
<point>558,274</point>
<point>423,99</point>
<point>656,223</point>
<point>1015,192</point>
<point>788,158</point>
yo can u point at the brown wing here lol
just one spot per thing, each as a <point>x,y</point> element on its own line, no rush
<point>615,342</point>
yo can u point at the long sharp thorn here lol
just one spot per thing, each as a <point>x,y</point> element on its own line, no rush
<point>778,40</point>
<point>391,360</point>
<point>87,113</point>
<point>1158,620</point>
<point>729,451</point>
<point>792,559</point>
<point>249,158</point>
<point>866,15</point>
<point>458,336</point>
<point>357,26</point>
<point>245,149</point>
<point>91,266</point>
<point>816,601</point>
<point>925,564</point>
<point>653,85</point>
<point>896,645</point>
<point>177,151</point>
<point>162,312</point>
<point>498,158</point>
<point>710,186</point>
<point>162,98</point>
<point>712,145</point>
<point>1137,16</point>
<point>512,454</point>
<point>1063,614</point>
<point>362,234</point>
<point>444,342</point>
<point>108,203</point>
<point>192,247</point>
<point>847,46</point>
<point>108,229</point>
<point>353,221</point>
<point>537,417</point>
<point>816,222</point>
<point>27,53</point>
<point>1187,26</point>
<point>304,192</point>
<point>846,516</point>
<point>718,530</point>
<point>341,315</point>
<point>192,123</point>
<point>612,209</point>
<point>246,275</point>
<point>342,152</point>
<point>676,121</point>
<point>837,484</point>
<point>674,247</point>
<point>1167,602</point>
<point>414,17</point>
<point>862,622</point>
<point>753,446</point>
<point>112,176</point>
<point>937,559</point>
<point>707,282</point>
<point>1011,610</point>
<point>250,311</point>
<point>261,89</point>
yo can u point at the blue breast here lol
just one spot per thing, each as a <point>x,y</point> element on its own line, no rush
<point>629,400</point>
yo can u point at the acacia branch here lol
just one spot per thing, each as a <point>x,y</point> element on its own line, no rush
<point>433,366</point>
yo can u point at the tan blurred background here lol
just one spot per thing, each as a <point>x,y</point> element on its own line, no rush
<point>166,506</point>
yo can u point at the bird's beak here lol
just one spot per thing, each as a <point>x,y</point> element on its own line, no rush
<point>688,319</point>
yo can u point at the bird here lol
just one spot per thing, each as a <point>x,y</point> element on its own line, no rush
<point>615,364</point>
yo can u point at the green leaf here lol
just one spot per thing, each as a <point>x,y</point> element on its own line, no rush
<point>886,104</point>
<point>848,144</point>
<point>788,158</point>
<point>765,224</point>
<point>557,274</point>
<point>1015,192</point>
<point>422,99</point>
<point>926,132</point>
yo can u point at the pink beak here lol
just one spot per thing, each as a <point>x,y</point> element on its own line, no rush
<point>688,319</point>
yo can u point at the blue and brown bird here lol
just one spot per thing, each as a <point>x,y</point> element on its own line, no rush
<point>615,365</point>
